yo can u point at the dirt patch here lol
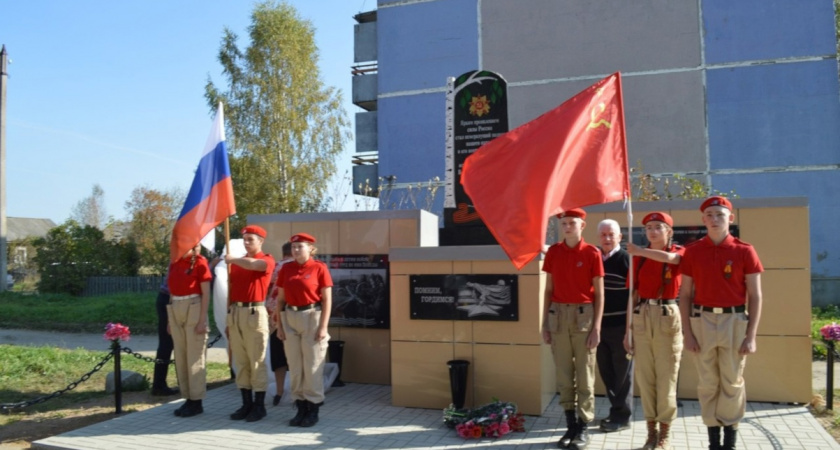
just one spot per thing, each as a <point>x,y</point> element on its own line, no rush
<point>827,418</point>
<point>827,421</point>
<point>41,425</point>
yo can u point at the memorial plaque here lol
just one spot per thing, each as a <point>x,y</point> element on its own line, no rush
<point>477,112</point>
<point>464,297</point>
<point>360,291</point>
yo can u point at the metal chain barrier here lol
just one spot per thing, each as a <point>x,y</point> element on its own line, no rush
<point>7,407</point>
<point>160,361</point>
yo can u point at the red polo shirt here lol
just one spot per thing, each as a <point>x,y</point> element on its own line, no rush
<point>653,275</point>
<point>719,271</point>
<point>572,270</point>
<point>183,283</point>
<point>302,283</point>
<point>250,285</point>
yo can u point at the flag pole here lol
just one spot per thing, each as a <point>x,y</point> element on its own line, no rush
<point>227,247</point>
<point>628,199</point>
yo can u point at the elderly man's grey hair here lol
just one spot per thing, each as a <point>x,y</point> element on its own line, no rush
<point>610,223</point>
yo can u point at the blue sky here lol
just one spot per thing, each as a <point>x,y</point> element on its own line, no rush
<point>112,92</point>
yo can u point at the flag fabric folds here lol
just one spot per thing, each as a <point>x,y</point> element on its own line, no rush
<point>210,200</point>
<point>570,157</point>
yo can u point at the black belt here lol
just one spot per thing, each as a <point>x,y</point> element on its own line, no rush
<point>317,306</point>
<point>721,310</point>
<point>658,301</point>
<point>247,304</point>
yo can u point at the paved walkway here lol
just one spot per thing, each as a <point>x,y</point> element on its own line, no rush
<point>360,416</point>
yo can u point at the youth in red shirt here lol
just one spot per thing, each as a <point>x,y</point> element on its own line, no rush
<point>189,287</point>
<point>724,271</point>
<point>247,322</point>
<point>187,274</point>
<point>248,285</point>
<point>302,283</point>
<point>655,338</point>
<point>573,304</point>
<point>572,270</point>
<point>719,271</point>
<point>655,279</point>
<point>304,305</point>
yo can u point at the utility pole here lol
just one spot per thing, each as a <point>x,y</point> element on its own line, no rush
<point>4,231</point>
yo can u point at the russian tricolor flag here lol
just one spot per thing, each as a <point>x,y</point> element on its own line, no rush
<point>210,200</point>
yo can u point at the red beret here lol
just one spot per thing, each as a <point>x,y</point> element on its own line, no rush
<point>659,217</point>
<point>716,201</point>
<point>302,237</point>
<point>577,212</point>
<point>254,229</point>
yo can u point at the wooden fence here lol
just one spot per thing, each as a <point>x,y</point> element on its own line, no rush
<point>117,285</point>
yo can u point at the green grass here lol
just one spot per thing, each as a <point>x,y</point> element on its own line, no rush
<point>59,312</point>
<point>27,373</point>
<point>32,372</point>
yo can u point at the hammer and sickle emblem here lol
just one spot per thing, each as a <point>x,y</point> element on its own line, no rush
<point>595,122</point>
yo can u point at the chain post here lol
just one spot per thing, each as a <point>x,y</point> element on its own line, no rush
<point>117,377</point>
<point>829,388</point>
<point>116,349</point>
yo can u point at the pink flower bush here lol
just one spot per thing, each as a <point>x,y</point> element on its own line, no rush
<point>116,332</point>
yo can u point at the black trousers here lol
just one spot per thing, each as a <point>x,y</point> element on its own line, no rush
<point>277,352</point>
<point>616,373</point>
<point>165,346</point>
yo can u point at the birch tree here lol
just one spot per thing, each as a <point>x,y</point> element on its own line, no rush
<point>284,127</point>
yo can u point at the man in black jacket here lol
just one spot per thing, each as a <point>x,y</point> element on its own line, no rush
<point>615,368</point>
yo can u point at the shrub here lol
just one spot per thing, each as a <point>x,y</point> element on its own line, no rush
<point>70,253</point>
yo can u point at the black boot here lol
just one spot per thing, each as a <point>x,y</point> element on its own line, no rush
<point>311,417</point>
<point>581,439</point>
<point>258,410</point>
<point>730,435</point>
<point>194,407</point>
<point>247,404</point>
<point>302,410</point>
<point>714,438</point>
<point>159,387</point>
<point>571,429</point>
<point>181,409</point>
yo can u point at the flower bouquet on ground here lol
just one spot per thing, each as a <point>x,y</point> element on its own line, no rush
<point>494,419</point>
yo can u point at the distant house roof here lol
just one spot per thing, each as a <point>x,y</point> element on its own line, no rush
<point>23,227</point>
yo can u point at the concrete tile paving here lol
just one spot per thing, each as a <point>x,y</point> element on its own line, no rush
<point>359,416</point>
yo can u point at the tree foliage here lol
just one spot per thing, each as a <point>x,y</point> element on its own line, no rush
<point>152,214</point>
<point>650,188</point>
<point>91,210</point>
<point>284,127</point>
<point>70,253</point>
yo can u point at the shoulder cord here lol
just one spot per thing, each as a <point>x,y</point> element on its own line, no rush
<point>192,264</point>
<point>662,275</point>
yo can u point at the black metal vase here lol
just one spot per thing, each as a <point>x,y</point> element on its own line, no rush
<point>458,369</point>
<point>335,352</point>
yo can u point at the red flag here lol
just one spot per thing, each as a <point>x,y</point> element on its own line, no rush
<point>572,156</point>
